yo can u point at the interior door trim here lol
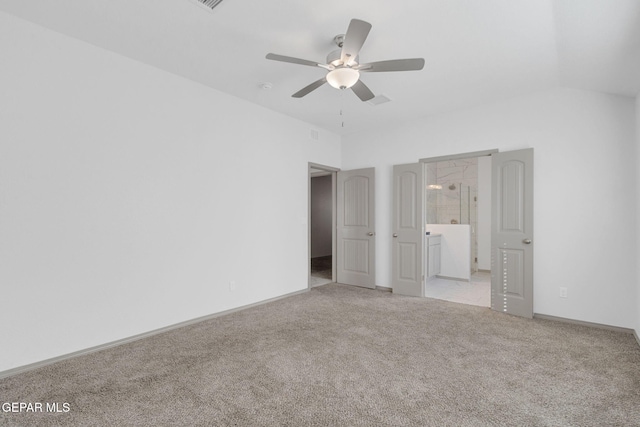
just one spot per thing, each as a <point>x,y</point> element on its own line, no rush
<point>324,167</point>
<point>459,156</point>
<point>334,237</point>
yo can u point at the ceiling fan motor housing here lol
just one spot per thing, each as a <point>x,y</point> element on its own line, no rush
<point>334,58</point>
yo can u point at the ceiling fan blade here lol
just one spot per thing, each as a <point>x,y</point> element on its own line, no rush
<point>354,39</point>
<point>363,92</point>
<point>308,89</point>
<point>392,65</point>
<point>292,60</point>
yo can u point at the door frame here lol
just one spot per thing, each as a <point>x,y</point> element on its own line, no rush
<point>459,156</point>
<point>323,170</point>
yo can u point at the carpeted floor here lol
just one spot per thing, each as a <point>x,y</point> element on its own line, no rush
<point>345,356</point>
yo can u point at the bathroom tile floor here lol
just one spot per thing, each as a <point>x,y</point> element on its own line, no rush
<point>475,292</point>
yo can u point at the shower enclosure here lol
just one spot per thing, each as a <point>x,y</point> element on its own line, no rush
<point>452,197</point>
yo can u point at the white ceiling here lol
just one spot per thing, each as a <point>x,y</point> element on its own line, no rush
<point>476,51</point>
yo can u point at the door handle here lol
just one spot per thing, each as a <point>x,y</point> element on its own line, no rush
<point>395,234</point>
<point>371,233</point>
<point>527,241</point>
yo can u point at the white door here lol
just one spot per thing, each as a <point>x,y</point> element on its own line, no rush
<point>356,249</point>
<point>512,233</point>
<point>408,225</point>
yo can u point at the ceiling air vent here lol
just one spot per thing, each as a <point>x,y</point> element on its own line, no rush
<point>380,99</point>
<point>207,4</point>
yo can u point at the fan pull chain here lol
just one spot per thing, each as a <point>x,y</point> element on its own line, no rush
<point>342,107</point>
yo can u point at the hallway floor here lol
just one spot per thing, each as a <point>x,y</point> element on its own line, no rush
<point>476,292</point>
<point>321,271</point>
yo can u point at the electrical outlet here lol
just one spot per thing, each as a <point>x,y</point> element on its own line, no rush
<point>563,292</point>
<point>232,285</point>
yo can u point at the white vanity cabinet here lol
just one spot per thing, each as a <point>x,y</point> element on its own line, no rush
<point>433,250</point>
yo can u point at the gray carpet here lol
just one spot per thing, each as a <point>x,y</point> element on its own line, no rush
<point>344,356</point>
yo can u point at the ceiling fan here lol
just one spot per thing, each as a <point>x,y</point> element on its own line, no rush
<point>343,66</point>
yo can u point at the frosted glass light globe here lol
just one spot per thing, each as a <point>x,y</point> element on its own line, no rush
<point>343,78</point>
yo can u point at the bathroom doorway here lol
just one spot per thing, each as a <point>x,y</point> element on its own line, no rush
<point>458,220</point>
<point>424,247</point>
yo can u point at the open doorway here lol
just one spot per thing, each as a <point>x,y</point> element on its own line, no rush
<point>352,232</point>
<point>458,223</point>
<point>418,253</point>
<point>322,196</point>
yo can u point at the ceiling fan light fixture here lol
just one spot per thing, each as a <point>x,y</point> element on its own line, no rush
<point>343,78</point>
<point>344,68</point>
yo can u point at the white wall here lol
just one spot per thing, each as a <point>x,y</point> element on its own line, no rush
<point>129,198</point>
<point>584,194</point>
<point>321,216</point>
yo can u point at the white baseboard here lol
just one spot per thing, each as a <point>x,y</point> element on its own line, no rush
<point>583,323</point>
<point>36,365</point>
<point>457,279</point>
<point>635,334</point>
